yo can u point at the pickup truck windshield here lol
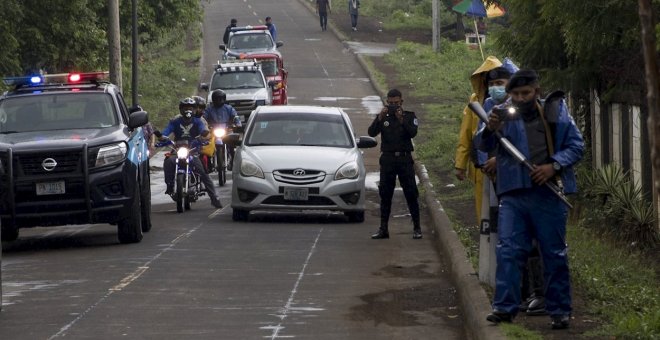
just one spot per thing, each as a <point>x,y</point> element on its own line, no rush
<point>237,80</point>
<point>61,111</point>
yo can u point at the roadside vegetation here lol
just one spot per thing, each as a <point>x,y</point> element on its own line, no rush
<point>613,235</point>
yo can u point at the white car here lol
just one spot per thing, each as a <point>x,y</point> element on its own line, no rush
<point>299,158</point>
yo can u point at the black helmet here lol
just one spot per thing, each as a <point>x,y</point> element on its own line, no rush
<point>200,102</point>
<point>185,105</point>
<point>218,97</point>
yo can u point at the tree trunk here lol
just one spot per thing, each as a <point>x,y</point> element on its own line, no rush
<point>460,29</point>
<point>652,87</point>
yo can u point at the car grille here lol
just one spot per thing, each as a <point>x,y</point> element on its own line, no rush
<point>30,164</point>
<point>313,200</point>
<point>307,176</point>
<point>243,106</point>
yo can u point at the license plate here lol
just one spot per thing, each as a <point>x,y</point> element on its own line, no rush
<point>50,188</point>
<point>296,194</point>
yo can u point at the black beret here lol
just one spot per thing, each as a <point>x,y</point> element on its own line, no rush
<point>522,78</point>
<point>498,73</point>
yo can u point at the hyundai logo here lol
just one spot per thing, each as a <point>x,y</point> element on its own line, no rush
<point>49,164</point>
<point>299,172</point>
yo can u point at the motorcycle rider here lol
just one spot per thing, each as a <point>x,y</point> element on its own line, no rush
<point>186,128</point>
<point>219,112</point>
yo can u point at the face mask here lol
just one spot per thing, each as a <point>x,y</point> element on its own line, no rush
<point>526,106</point>
<point>498,93</point>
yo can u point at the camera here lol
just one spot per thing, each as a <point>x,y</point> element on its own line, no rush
<point>391,109</point>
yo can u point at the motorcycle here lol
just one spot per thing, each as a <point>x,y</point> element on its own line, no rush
<point>188,183</point>
<point>223,157</point>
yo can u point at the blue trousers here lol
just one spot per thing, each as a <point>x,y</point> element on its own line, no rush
<point>526,214</point>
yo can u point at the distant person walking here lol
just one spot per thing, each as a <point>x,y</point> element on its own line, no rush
<point>271,28</point>
<point>323,8</point>
<point>353,6</point>
<point>225,38</point>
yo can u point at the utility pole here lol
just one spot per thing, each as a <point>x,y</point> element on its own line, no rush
<point>436,25</point>
<point>134,55</point>
<point>114,43</point>
<point>652,87</point>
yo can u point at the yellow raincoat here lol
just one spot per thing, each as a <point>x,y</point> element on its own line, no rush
<point>469,127</point>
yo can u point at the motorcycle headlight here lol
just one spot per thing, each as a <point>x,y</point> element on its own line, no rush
<point>111,154</point>
<point>219,132</point>
<point>261,102</point>
<point>349,170</point>
<point>182,153</point>
<point>250,169</point>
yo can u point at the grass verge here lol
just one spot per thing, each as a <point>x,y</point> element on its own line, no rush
<point>618,287</point>
<point>168,71</point>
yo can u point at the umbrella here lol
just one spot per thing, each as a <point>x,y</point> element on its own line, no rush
<point>478,8</point>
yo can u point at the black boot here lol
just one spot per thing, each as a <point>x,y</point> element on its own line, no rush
<point>381,234</point>
<point>497,316</point>
<point>560,321</point>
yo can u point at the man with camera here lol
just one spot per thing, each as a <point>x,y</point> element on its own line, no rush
<point>546,135</point>
<point>397,128</point>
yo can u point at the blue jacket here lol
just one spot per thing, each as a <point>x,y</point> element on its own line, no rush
<point>225,114</point>
<point>567,140</point>
<point>182,131</point>
<point>273,31</point>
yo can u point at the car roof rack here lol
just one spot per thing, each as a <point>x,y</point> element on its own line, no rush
<point>249,28</point>
<point>237,65</point>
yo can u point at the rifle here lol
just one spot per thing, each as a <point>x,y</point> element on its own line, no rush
<point>513,151</point>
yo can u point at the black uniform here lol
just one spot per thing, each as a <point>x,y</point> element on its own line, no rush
<point>396,160</point>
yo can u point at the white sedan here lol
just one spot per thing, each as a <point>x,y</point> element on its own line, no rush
<point>299,158</point>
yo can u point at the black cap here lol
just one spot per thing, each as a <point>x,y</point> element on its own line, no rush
<point>522,78</point>
<point>498,73</point>
<point>267,18</point>
<point>233,21</point>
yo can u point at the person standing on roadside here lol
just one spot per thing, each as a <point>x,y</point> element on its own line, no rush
<point>271,28</point>
<point>397,128</point>
<point>232,24</point>
<point>322,9</point>
<point>463,167</point>
<point>545,133</point>
<point>353,6</point>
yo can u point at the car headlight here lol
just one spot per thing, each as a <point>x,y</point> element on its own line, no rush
<point>111,154</point>
<point>182,153</point>
<point>219,132</point>
<point>250,169</point>
<point>349,170</point>
<point>261,102</point>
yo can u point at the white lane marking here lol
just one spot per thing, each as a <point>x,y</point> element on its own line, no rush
<point>216,212</point>
<point>123,283</point>
<point>287,308</point>
<point>325,71</point>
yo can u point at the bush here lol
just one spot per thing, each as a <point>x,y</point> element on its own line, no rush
<point>615,206</point>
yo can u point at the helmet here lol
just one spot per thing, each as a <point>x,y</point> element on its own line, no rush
<point>218,97</point>
<point>188,103</point>
<point>200,102</point>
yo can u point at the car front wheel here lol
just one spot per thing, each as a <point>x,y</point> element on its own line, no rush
<point>129,230</point>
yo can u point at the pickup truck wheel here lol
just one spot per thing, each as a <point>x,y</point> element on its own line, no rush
<point>180,184</point>
<point>240,215</point>
<point>9,232</point>
<point>355,216</point>
<point>146,202</point>
<point>129,230</point>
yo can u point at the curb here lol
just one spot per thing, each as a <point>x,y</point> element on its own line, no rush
<point>472,298</point>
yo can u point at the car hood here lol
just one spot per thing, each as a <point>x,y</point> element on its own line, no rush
<point>327,159</point>
<point>247,94</point>
<point>58,138</point>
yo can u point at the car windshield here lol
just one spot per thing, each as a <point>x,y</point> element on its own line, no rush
<point>269,67</point>
<point>299,129</point>
<point>237,80</point>
<point>56,112</point>
<point>251,41</point>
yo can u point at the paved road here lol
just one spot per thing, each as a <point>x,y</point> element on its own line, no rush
<point>199,275</point>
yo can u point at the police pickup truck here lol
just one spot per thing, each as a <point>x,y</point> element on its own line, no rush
<point>244,83</point>
<point>72,152</point>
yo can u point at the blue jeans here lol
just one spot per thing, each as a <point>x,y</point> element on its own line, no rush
<point>526,214</point>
